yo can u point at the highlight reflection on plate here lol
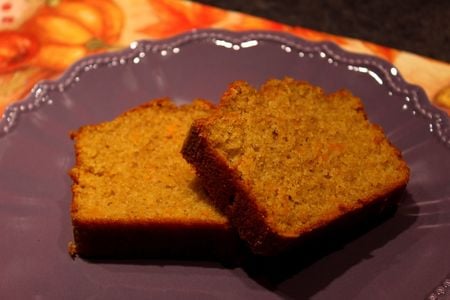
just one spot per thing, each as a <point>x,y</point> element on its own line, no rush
<point>405,257</point>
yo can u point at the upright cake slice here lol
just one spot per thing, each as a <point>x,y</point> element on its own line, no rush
<point>287,160</point>
<point>133,193</point>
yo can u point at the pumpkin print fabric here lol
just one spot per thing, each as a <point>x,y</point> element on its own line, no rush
<point>39,39</point>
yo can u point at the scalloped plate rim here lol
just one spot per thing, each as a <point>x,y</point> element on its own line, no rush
<point>33,101</point>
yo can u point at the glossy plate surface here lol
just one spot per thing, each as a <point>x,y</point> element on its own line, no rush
<point>406,257</point>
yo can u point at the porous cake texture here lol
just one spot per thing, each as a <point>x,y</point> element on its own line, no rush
<point>134,194</point>
<point>288,159</point>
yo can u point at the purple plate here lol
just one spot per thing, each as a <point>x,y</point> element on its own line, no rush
<point>405,257</point>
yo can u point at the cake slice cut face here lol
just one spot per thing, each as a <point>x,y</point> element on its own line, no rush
<point>133,193</point>
<point>288,159</point>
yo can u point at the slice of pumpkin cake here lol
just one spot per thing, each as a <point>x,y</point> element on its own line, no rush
<point>133,193</point>
<point>288,159</point>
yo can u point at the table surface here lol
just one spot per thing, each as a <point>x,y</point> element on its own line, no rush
<point>422,27</point>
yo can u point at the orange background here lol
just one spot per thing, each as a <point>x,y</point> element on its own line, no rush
<point>39,39</point>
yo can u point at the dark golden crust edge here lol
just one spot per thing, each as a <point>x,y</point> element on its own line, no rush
<point>157,239</point>
<point>228,194</point>
<point>152,240</point>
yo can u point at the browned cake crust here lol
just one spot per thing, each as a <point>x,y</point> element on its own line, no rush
<point>153,240</point>
<point>230,195</point>
<point>234,194</point>
<point>103,227</point>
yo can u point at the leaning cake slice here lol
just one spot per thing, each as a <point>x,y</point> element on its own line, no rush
<point>287,160</point>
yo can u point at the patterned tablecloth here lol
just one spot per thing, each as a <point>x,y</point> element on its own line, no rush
<point>39,39</point>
